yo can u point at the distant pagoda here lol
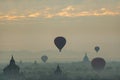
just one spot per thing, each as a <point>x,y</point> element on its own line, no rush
<point>35,62</point>
<point>12,68</point>
<point>12,71</point>
<point>86,59</point>
<point>58,70</point>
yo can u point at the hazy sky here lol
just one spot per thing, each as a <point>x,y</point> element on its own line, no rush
<point>28,29</point>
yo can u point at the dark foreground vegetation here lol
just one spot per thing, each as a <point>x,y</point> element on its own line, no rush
<point>70,71</point>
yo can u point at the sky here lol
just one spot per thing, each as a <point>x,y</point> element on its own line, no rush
<point>28,29</point>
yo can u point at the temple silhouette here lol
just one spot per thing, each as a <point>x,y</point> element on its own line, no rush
<point>12,68</point>
<point>58,70</point>
<point>12,71</point>
<point>86,59</point>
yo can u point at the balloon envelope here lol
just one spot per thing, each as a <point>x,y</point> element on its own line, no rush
<point>60,42</point>
<point>44,58</point>
<point>97,48</point>
<point>98,63</point>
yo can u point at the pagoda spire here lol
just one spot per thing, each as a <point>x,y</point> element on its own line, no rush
<point>86,59</point>
<point>58,70</point>
<point>12,61</point>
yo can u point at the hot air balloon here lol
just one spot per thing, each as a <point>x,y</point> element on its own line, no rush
<point>98,63</point>
<point>97,48</point>
<point>60,42</point>
<point>44,58</point>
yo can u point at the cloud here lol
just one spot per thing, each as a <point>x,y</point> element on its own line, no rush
<point>69,8</point>
<point>11,17</point>
<point>69,11</point>
<point>12,9</point>
<point>100,12</point>
<point>36,14</point>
